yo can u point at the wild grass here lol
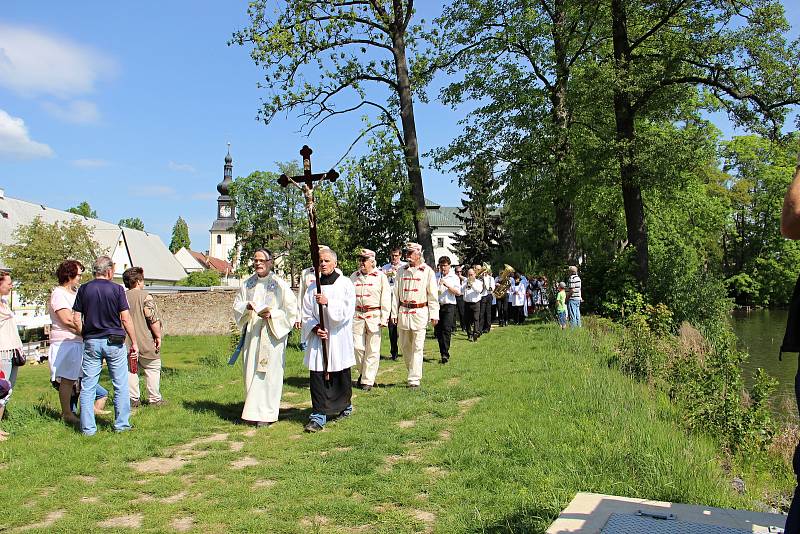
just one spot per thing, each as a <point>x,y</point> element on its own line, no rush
<point>498,440</point>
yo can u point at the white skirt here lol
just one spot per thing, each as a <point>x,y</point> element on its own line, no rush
<point>65,359</point>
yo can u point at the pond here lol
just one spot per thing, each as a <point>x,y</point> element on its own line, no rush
<point>760,333</point>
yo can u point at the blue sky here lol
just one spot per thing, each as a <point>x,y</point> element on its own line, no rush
<point>130,106</point>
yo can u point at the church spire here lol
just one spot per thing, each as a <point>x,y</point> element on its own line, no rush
<point>224,186</point>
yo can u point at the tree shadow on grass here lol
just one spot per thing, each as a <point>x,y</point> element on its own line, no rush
<point>294,414</point>
<point>302,382</point>
<point>227,411</point>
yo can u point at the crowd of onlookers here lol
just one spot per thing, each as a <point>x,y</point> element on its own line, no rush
<point>91,322</point>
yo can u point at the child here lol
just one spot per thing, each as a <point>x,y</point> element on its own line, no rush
<point>561,305</point>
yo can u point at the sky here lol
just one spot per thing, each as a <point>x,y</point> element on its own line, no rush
<point>130,106</point>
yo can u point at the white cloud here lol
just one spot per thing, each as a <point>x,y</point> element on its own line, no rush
<point>152,191</point>
<point>15,143</point>
<point>33,62</point>
<point>76,112</point>
<point>180,167</point>
<point>90,163</point>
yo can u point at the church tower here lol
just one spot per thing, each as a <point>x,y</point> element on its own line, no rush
<point>223,239</point>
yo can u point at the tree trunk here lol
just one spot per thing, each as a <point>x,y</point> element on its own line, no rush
<point>625,116</point>
<point>564,208</point>
<point>411,148</point>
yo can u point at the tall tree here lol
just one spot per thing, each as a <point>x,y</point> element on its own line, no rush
<point>518,59</point>
<point>37,250</point>
<point>357,53</point>
<point>83,209</point>
<point>132,222</point>
<point>735,51</point>
<point>481,227</point>
<point>180,236</point>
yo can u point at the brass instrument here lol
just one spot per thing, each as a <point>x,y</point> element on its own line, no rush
<point>503,282</point>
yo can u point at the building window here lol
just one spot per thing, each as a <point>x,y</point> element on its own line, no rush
<point>219,239</point>
<point>440,242</point>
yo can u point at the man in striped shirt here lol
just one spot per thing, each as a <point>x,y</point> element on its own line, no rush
<point>575,299</point>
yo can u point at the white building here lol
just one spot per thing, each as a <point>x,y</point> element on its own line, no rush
<point>444,227</point>
<point>127,247</point>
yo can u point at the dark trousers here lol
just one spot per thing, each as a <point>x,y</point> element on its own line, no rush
<point>473,312</point>
<point>444,329</point>
<point>502,312</point>
<point>392,339</point>
<point>793,520</point>
<point>516,315</point>
<point>486,313</point>
<point>461,311</point>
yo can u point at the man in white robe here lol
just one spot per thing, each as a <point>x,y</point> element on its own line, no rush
<point>331,387</point>
<point>266,308</point>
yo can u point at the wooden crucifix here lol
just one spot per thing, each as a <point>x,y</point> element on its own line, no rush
<point>305,182</point>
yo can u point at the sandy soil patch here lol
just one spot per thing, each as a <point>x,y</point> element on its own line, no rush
<point>174,498</point>
<point>198,441</point>
<point>467,404</point>
<point>314,521</point>
<point>182,524</point>
<point>436,471</point>
<point>445,435</point>
<point>123,521</point>
<point>406,424</point>
<point>247,461</point>
<point>144,497</point>
<point>422,515</point>
<point>453,381</point>
<point>85,479</point>
<point>158,465</point>
<point>89,500</point>
<point>47,522</point>
<point>236,446</point>
<point>266,483</point>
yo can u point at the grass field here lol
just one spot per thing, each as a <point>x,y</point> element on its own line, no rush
<point>498,440</point>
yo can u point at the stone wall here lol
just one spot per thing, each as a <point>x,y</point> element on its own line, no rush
<point>196,313</point>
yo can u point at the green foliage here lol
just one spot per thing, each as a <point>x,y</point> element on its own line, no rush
<point>273,217</point>
<point>482,235</point>
<point>760,266</point>
<point>134,223</point>
<point>703,375</point>
<point>180,236</point>
<point>38,248</point>
<point>83,209</point>
<point>205,278</point>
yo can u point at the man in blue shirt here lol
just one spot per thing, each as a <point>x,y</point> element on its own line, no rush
<point>101,313</point>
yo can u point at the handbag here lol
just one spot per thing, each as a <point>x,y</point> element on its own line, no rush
<point>17,358</point>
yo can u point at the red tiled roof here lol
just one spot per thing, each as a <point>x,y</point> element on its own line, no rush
<point>221,266</point>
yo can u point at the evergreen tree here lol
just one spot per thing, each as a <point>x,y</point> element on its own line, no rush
<point>482,232</point>
<point>180,236</point>
<point>83,209</point>
<point>132,222</point>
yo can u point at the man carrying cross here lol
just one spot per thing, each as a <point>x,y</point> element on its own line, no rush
<point>331,389</point>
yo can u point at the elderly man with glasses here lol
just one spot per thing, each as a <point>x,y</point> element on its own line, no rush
<point>266,310</point>
<point>373,306</point>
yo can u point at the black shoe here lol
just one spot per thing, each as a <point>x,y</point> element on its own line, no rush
<point>394,356</point>
<point>312,427</point>
<point>262,424</point>
<point>365,387</point>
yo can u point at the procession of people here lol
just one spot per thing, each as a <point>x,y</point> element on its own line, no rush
<point>341,320</point>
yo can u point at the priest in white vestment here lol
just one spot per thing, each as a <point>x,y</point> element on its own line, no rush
<point>331,388</point>
<point>266,308</point>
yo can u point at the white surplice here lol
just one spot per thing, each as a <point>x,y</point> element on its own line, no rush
<point>263,351</point>
<point>338,322</point>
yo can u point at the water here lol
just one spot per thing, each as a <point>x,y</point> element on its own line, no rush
<point>760,333</point>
